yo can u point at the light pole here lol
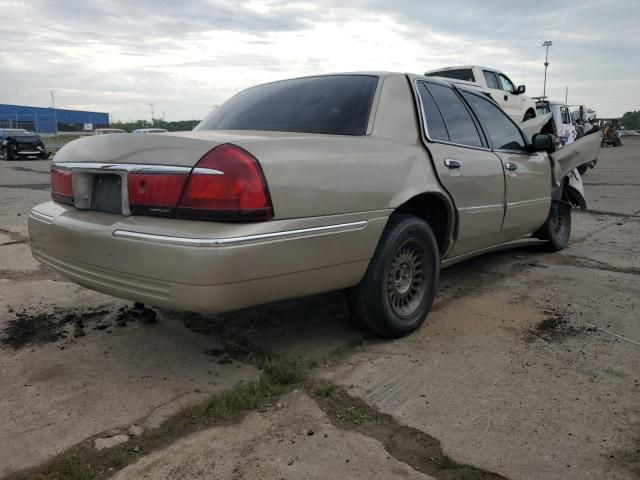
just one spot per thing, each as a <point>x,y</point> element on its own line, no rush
<point>55,117</point>
<point>547,44</point>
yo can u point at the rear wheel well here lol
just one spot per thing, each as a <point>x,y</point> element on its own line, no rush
<point>432,208</point>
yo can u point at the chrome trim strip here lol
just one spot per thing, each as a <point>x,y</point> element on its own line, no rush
<point>533,201</point>
<point>41,217</point>
<point>126,167</point>
<point>244,240</point>
<point>483,208</point>
<point>207,171</point>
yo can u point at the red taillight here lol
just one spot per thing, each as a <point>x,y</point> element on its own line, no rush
<point>61,185</point>
<point>155,193</point>
<point>226,184</point>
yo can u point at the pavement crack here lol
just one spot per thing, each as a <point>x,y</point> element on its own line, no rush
<point>406,444</point>
<point>581,262</point>
<point>613,214</point>
<point>30,186</point>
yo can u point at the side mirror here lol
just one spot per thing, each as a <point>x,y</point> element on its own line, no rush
<point>543,142</point>
<point>520,90</point>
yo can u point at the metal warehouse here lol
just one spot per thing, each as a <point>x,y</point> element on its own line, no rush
<point>51,120</point>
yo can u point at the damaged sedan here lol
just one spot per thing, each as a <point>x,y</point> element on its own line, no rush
<point>367,182</point>
<point>16,143</point>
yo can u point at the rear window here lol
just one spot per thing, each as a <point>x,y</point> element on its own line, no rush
<point>465,74</point>
<point>336,104</point>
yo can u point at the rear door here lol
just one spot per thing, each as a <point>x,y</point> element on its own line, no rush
<point>527,175</point>
<point>468,170</point>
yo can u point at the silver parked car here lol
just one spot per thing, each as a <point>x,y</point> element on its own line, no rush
<point>367,182</point>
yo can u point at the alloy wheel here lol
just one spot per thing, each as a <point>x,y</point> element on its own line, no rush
<point>407,284</point>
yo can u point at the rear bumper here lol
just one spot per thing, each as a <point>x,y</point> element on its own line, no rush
<point>204,266</point>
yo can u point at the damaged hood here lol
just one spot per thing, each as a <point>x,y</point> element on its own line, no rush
<point>534,125</point>
<point>581,152</point>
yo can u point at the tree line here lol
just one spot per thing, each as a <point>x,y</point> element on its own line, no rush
<point>631,120</point>
<point>182,125</point>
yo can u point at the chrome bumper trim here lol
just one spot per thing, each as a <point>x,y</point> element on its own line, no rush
<point>245,240</point>
<point>135,168</point>
<point>41,217</point>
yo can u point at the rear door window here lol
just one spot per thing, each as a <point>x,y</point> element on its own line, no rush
<point>491,79</point>
<point>457,119</point>
<point>503,133</point>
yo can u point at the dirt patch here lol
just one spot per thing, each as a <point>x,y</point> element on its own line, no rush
<point>139,313</point>
<point>554,329</point>
<point>30,327</point>
<point>47,324</point>
<point>409,445</point>
<point>231,334</point>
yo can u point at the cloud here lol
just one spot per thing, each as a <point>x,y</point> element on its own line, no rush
<point>185,57</point>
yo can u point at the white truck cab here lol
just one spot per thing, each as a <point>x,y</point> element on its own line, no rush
<point>494,83</point>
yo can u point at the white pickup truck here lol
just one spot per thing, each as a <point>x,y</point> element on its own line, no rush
<point>495,84</point>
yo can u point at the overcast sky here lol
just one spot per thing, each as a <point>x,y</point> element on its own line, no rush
<point>187,56</point>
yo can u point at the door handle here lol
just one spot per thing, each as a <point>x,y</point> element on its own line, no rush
<point>506,98</point>
<point>510,166</point>
<point>451,163</point>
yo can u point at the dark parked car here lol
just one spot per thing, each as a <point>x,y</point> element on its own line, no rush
<point>16,143</point>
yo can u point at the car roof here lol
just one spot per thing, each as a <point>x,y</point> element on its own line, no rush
<point>462,67</point>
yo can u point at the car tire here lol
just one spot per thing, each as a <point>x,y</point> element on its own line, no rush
<point>557,229</point>
<point>529,115</point>
<point>398,289</point>
<point>3,156</point>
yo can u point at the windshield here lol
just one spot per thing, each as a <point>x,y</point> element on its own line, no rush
<point>333,104</point>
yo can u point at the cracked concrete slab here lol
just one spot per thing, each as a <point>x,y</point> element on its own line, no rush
<point>296,441</point>
<point>521,406</point>
<point>57,394</point>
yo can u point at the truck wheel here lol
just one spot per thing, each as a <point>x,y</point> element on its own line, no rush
<point>557,228</point>
<point>397,292</point>
<point>529,115</point>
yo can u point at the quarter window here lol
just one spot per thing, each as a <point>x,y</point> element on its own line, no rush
<point>435,124</point>
<point>457,118</point>
<point>491,79</point>
<point>503,133</point>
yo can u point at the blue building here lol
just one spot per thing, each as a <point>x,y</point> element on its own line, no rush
<point>49,120</point>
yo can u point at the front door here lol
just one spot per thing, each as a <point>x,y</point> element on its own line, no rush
<point>527,175</point>
<point>467,168</point>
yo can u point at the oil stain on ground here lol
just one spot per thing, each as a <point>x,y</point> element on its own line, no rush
<point>554,329</point>
<point>30,326</point>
